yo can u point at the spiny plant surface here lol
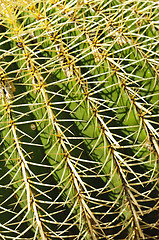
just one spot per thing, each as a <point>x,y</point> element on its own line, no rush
<point>79,109</point>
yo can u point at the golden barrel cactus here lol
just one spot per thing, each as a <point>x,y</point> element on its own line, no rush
<point>79,110</point>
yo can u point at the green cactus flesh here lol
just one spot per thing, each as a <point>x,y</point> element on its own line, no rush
<point>79,115</point>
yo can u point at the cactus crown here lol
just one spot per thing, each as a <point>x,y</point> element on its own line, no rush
<point>79,119</point>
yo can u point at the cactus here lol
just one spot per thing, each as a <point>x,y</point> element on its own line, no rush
<point>79,119</point>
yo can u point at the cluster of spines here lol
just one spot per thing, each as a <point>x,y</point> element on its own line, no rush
<point>73,72</point>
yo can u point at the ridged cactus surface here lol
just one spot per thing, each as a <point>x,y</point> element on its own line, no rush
<point>79,110</point>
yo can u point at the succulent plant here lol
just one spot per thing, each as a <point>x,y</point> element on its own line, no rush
<point>79,119</point>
